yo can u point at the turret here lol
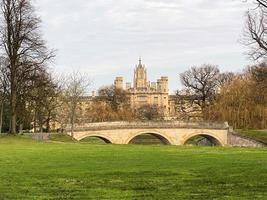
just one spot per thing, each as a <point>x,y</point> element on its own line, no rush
<point>162,84</point>
<point>128,85</point>
<point>154,86</point>
<point>140,76</point>
<point>118,83</point>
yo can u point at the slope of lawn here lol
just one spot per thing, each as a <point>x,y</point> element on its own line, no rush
<point>260,135</point>
<point>42,170</point>
<point>60,137</point>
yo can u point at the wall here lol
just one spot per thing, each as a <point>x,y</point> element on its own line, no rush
<point>239,141</point>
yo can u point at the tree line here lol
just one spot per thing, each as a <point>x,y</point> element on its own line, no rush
<point>113,104</point>
<point>32,99</point>
<point>24,60</point>
<point>240,99</point>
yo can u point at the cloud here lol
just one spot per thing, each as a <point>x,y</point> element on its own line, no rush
<point>106,37</point>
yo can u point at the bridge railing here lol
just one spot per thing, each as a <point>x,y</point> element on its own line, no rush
<point>150,124</point>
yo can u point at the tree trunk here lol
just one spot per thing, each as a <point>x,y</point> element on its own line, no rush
<point>40,125</point>
<point>72,124</point>
<point>48,125</point>
<point>13,123</point>
<point>1,115</point>
<point>13,98</point>
<point>72,120</point>
<point>21,128</point>
<point>35,121</point>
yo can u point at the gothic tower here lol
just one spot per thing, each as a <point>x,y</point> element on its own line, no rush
<point>140,76</point>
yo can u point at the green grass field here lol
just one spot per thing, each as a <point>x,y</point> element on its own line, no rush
<point>45,170</point>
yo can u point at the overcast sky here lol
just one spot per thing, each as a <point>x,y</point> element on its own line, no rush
<point>104,38</point>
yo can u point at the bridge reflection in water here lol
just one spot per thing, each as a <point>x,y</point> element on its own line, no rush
<point>148,139</point>
<point>95,140</point>
<point>202,140</point>
<point>153,139</point>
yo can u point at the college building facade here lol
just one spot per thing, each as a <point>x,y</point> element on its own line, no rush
<point>142,92</point>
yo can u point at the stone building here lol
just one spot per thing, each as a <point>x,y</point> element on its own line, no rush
<point>143,92</point>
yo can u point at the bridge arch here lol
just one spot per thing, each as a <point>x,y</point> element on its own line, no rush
<point>103,137</point>
<point>210,136</point>
<point>165,139</point>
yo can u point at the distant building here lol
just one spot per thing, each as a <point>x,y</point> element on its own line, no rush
<point>143,92</point>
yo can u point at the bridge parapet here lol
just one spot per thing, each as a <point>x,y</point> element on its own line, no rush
<point>149,124</point>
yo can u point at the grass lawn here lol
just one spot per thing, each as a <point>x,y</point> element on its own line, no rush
<point>60,138</point>
<point>39,170</point>
<point>260,135</point>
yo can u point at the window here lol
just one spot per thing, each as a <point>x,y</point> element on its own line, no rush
<point>156,100</point>
<point>142,98</point>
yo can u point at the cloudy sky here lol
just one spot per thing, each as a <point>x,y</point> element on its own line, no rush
<point>104,38</point>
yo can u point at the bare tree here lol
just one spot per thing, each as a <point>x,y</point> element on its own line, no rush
<point>44,100</point>
<point>202,83</point>
<point>262,3</point>
<point>241,102</point>
<point>150,112</point>
<point>111,104</point>
<point>255,34</point>
<point>23,46</point>
<point>116,98</point>
<point>225,78</point>
<point>3,89</point>
<point>255,31</point>
<point>259,3</point>
<point>259,76</point>
<point>186,106</point>
<point>75,88</point>
<point>51,103</point>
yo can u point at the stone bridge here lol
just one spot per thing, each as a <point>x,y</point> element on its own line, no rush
<point>173,133</point>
